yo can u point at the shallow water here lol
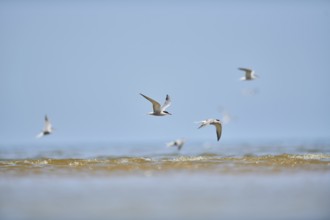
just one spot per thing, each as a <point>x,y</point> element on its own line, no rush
<point>150,181</point>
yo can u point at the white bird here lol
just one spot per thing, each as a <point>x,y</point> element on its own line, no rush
<point>48,129</point>
<point>157,109</point>
<point>216,123</point>
<point>249,74</point>
<point>177,143</point>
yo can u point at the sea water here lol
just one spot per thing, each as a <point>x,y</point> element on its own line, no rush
<point>150,181</point>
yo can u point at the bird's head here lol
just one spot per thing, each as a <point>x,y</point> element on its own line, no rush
<point>166,112</point>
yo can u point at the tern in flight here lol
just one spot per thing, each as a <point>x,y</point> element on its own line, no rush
<point>177,143</point>
<point>216,123</point>
<point>48,129</point>
<point>157,109</point>
<point>249,74</point>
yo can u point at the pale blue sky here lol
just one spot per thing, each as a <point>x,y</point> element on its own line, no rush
<point>84,63</point>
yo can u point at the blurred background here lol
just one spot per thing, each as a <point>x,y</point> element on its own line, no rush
<point>84,63</point>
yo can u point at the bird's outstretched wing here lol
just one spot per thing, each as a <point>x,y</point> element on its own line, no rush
<point>245,69</point>
<point>248,72</point>
<point>170,144</point>
<point>155,104</point>
<point>167,103</point>
<point>204,123</point>
<point>48,125</point>
<point>218,130</point>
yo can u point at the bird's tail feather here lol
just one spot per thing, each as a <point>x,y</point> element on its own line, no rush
<point>170,144</point>
<point>198,122</point>
<point>202,125</point>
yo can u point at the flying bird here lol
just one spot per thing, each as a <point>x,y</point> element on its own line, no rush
<point>249,74</point>
<point>48,129</point>
<point>177,143</point>
<point>157,109</point>
<point>215,122</point>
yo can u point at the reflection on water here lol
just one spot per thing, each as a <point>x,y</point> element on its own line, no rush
<point>229,182</point>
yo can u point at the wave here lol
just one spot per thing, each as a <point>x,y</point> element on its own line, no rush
<point>204,162</point>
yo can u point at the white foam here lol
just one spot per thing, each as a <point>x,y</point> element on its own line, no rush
<point>311,156</point>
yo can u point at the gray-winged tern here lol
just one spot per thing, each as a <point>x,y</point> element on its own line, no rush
<point>249,74</point>
<point>177,143</point>
<point>48,129</point>
<point>216,123</point>
<point>157,109</point>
